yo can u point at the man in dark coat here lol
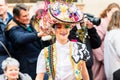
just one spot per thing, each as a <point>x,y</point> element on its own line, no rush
<point>90,37</point>
<point>25,40</point>
<point>5,17</point>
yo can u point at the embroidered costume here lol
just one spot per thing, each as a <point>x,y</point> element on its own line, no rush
<point>63,60</point>
<point>70,57</point>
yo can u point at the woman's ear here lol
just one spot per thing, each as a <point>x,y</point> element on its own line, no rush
<point>53,31</point>
<point>5,72</point>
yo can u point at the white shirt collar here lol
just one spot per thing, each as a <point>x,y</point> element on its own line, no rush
<point>59,44</point>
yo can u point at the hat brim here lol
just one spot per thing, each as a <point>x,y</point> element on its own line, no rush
<point>69,22</point>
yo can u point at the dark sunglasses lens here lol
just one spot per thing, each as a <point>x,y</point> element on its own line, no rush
<point>67,26</point>
<point>59,27</point>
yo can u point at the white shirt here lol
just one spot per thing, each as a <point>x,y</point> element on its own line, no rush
<point>112,53</point>
<point>64,69</point>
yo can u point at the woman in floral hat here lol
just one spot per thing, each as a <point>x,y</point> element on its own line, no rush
<point>63,60</point>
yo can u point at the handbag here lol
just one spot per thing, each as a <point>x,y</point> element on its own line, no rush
<point>5,49</point>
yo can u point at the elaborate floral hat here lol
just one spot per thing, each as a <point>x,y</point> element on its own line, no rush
<point>61,12</point>
<point>65,12</point>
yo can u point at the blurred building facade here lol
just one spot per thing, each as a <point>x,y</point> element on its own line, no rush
<point>33,1</point>
<point>94,7</point>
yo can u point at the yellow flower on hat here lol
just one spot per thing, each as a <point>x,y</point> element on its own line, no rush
<point>63,8</point>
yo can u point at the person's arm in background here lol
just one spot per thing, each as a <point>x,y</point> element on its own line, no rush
<point>84,71</point>
<point>95,40</point>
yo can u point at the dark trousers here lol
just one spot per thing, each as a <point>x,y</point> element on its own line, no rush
<point>90,73</point>
<point>46,76</point>
<point>116,75</point>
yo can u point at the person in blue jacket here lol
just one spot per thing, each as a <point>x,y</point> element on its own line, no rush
<point>5,17</point>
<point>25,40</point>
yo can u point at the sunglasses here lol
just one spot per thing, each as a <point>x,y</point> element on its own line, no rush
<point>65,26</point>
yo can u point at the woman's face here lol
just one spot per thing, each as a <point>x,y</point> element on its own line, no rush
<point>109,14</point>
<point>62,31</point>
<point>12,72</point>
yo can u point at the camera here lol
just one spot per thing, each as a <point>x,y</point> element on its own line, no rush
<point>95,20</point>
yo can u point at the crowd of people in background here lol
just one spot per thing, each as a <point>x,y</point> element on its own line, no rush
<point>98,66</point>
<point>5,17</point>
<point>49,46</point>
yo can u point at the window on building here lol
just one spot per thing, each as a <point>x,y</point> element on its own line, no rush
<point>31,1</point>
